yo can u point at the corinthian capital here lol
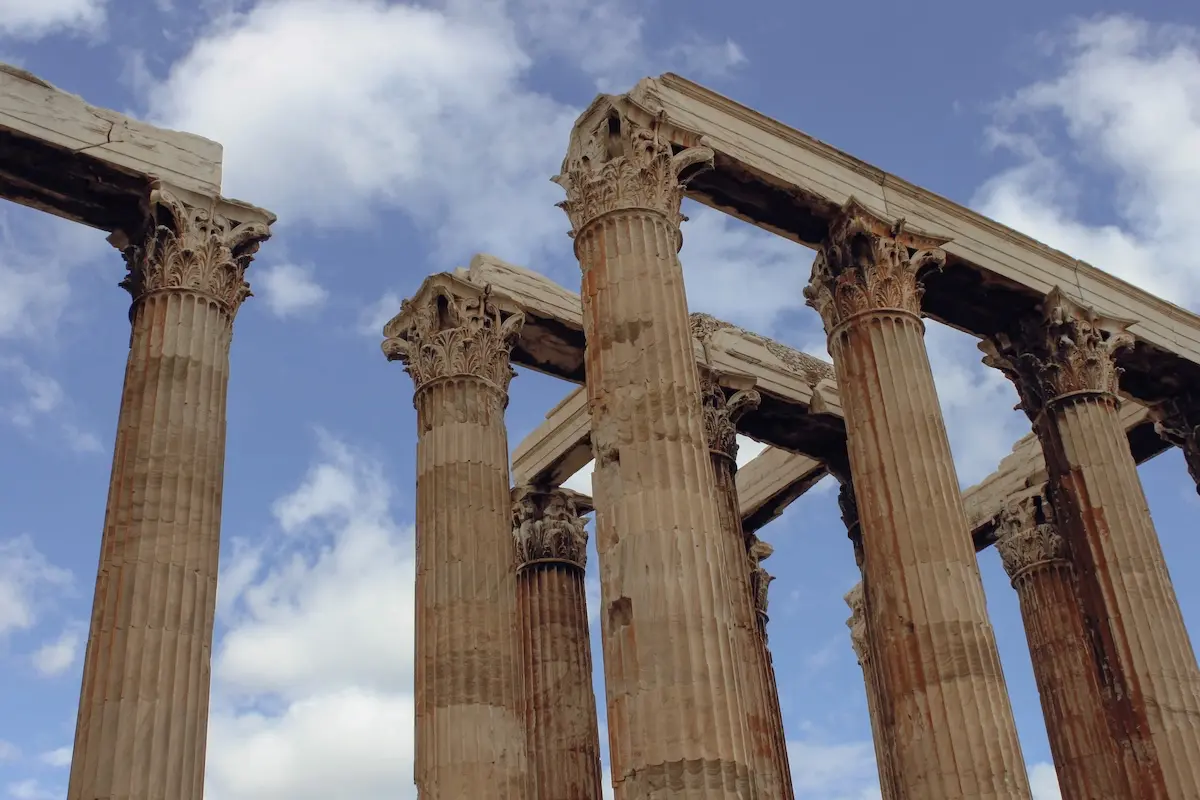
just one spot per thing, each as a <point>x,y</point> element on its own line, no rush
<point>1177,421</point>
<point>868,264</point>
<point>446,331</point>
<point>199,248</point>
<point>1068,349</point>
<point>721,413</point>
<point>548,525</point>
<point>857,623</point>
<point>615,164</point>
<point>760,579</point>
<point>1027,536</point>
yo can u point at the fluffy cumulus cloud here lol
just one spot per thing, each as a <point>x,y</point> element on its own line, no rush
<point>1124,107</point>
<point>28,582</point>
<point>290,290</point>
<point>418,109</point>
<point>33,19</point>
<point>313,675</point>
<point>56,656</point>
<point>843,771</point>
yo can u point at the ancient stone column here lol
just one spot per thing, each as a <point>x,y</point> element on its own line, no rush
<point>143,706</point>
<point>1035,557</point>
<point>677,671</point>
<point>470,727</point>
<point>1063,363</point>
<point>858,640</point>
<point>764,720</point>
<point>561,728</point>
<point>938,667</point>
<point>1177,421</point>
<point>760,583</point>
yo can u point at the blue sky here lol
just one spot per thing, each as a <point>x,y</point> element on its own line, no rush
<point>395,140</point>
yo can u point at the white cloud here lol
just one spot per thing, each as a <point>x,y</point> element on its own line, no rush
<point>33,19</point>
<point>55,657</point>
<point>702,58</point>
<point>385,106</point>
<point>42,400</point>
<point>25,578</point>
<point>9,751</point>
<point>1123,108</point>
<point>375,315</point>
<point>833,771</point>
<point>58,757</point>
<point>290,289</point>
<point>742,274</point>
<point>1044,782</point>
<point>313,678</point>
<point>31,789</point>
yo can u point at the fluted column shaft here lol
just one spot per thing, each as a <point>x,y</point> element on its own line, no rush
<point>939,668</point>
<point>470,731</point>
<point>562,731</point>
<point>857,624</point>
<point>1063,363</point>
<point>764,718</point>
<point>676,671</point>
<point>143,706</point>
<point>1036,558</point>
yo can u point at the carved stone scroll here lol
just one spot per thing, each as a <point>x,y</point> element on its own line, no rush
<point>548,526</point>
<point>440,334</point>
<point>865,264</point>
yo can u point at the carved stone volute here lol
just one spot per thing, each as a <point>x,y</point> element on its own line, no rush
<point>867,264</point>
<point>857,623</point>
<point>760,579</point>
<point>1027,536</point>
<point>1067,350</point>
<point>615,164</point>
<point>193,249</point>
<point>1177,422</point>
<point>548,527</point>
<point>721,413</point>
<point>439,334</point>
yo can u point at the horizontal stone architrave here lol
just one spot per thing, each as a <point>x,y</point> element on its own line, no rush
<point>91,165</point>
<point>552,342</point>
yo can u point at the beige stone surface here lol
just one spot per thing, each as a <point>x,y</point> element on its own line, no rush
<point>1063,363</point>
<point>770,158</point>
<point>764,722</point>
<point>1037,560</point>
<point>559,447</point>
<point>470,706</point>
<point>43,124</point>
<point>561,728</point>
<point>676,673</point>
<point>941,684</point>
<point>880,730</point>
<point>143,706</point>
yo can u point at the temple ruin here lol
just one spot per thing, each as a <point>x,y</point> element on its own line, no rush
<point>1107,373</point>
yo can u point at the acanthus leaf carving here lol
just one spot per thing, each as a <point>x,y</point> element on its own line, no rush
<point>1027,536</point>
<point>1068,349</point>
<point>721,413</point>
<point>865,264</point>
<point>760,580</point>
<point>1177,422</point>
<point>439,334</point>
<point>857,623</point>
<point>547,525</point>
<point>191,248</point>
<point>614,164</point>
